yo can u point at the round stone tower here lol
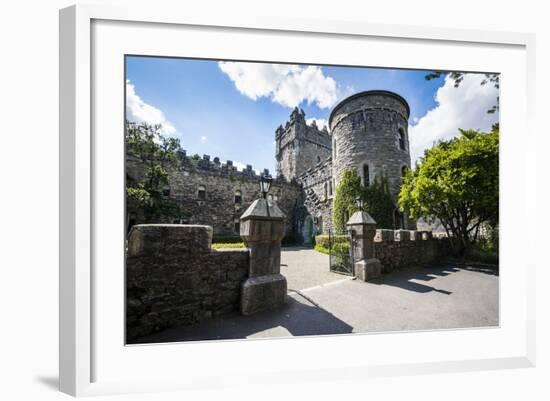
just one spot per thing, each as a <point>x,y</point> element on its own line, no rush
<point>369,135</point>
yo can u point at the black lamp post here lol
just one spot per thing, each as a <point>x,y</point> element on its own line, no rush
<point>265,185</point>
<point>360,203</point>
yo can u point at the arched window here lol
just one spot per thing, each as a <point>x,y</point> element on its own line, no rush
<point>401,138</point>
<point>238,197</point>
<point>366,175</point>
<point>201,193</point>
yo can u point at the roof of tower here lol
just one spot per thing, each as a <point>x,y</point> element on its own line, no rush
<point>370,93</point>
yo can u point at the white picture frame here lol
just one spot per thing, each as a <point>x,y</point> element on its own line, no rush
<point>83,325</point>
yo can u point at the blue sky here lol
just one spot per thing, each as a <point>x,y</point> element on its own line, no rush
<point>231,109</point>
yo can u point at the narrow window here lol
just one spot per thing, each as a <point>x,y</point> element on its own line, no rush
<point>330,188</point>
<point>237,226</point>
<point>318,159</point>
<point>403,172</point>
<point>326,190</point>
<point>334,147</point>
<point>366,175</point>
<point>201,194</point>
<point>401,139</point>
<point>238,197</point>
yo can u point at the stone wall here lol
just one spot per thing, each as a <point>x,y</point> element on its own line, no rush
<point>173,277</point>
<point>318,187</point>
<point>402,248</point>
<point>224,185</point>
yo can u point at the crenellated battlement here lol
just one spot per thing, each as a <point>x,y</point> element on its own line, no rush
<point>206,164</point>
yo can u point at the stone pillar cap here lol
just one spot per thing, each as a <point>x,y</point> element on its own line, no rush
<point>260,209</point>
<point>360,218</point>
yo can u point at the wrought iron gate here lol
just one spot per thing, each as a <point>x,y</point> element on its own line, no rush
<point>342,252</point>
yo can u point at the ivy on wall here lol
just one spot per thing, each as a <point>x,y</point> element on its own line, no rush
<point>376,199</point>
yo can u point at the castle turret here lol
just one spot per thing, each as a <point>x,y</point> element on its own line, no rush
<point>370,135</point>
<point>299,146</point>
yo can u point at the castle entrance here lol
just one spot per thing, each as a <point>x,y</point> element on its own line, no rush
<point>308,231</point>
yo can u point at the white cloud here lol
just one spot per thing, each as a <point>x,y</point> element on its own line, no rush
<point>138,111</point>
<point>463,107</point>
<point>288,85</point>
<point>321,122</point>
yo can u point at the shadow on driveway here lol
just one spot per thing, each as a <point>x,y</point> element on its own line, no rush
<point>298,317</point>
<point>403,278</point>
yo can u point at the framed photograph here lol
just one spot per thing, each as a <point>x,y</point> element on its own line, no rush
<point>239,194</point>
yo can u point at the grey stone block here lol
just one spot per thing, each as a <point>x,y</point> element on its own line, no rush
<point>383,235</point>
<point>368,269</point>
<point>263,293</point>
<point>402,235</point>
<point>168,239</point>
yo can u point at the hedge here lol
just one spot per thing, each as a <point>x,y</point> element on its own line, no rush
<point>323,240</point>
<point>228,245</point>
<point>230,239</point>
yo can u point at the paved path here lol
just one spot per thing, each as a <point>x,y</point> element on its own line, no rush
<point>439,297</point>
<point>305,268</point>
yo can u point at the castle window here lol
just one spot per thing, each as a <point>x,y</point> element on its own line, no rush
<point>334,147</point>
<point>166,192</point>
<point>330,188</point>
<point>238,197</point>
<point>318,159</point>
<point>326,190</point>
<point>237,226</point>
<point>403,171</point>
<point>366,175</point>
<point>201,193</point>
<point>401,138</point>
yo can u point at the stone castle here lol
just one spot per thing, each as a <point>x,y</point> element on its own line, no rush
<point>368,134</point>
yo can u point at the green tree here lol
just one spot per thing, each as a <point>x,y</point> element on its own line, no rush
<point>156,152</point>
<point>457,182</point>
<point>378,202</point>
<point>376,198</point>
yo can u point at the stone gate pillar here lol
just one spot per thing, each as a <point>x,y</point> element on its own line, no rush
<point>262,229</point>
<point>364,227</point>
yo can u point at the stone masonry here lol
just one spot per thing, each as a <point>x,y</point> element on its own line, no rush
<point>368,134</point>
<point>173,277</point>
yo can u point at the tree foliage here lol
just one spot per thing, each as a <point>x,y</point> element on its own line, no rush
<point>378,202</point>
<point>347,191</point>
<point>376,198</point>
<point>457,182</point>
<point>156,152</point>
<point>457,77</point>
